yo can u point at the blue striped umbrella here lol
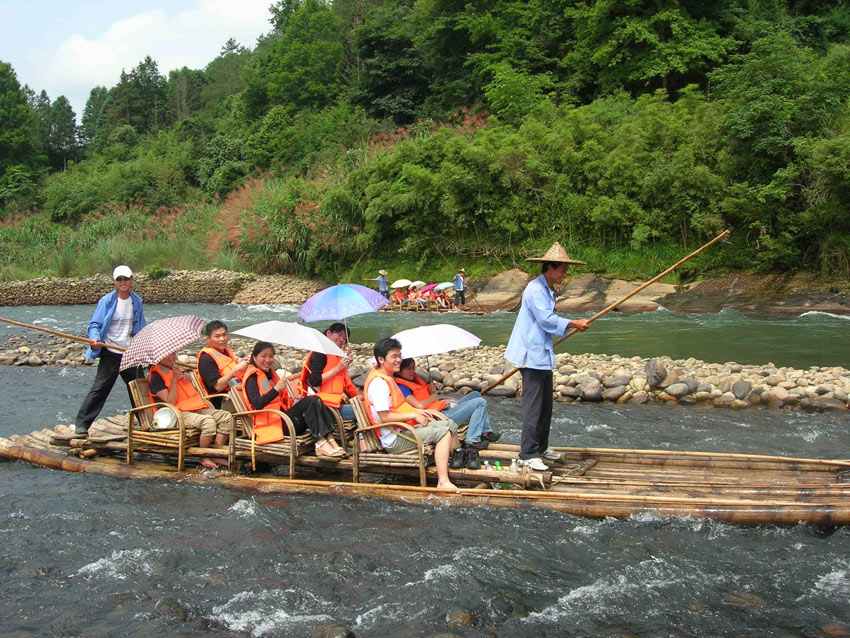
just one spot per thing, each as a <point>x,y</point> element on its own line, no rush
<point>341,301</point>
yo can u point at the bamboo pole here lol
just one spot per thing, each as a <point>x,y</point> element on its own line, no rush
<point>78,338</point>
<point>599,314</point>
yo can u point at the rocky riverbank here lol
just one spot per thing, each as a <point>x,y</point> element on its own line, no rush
<point>578,378</point>
<point>581,293</point>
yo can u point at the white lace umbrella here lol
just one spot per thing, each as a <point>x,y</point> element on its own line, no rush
<point>401,283</point>
<point>295,335</point>
<point>434,339</point>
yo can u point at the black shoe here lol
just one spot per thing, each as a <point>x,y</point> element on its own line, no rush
<point>472,461</point>
<point>491,436</point>
<point>478,445</point>
<point>458,459</point>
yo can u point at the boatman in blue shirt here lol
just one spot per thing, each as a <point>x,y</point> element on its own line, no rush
<point>460,288</point>
<point>530,349</point>
<point>118,316</point>
<point>383,283</point>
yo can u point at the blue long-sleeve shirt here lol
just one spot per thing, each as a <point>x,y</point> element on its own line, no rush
<point>382,283</point>
<point>99,323</point>
<point>530,345</point>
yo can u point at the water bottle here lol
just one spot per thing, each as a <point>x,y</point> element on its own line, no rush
<point>487,465</point>
<point>503,486</point>
<point>513,465</point>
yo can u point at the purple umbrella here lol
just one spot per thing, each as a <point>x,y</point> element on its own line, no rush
<point>341,301</point>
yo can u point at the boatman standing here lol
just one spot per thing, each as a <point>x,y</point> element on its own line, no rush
<point>460,288</point>
<point>530,349</point>
<point>117,317</point>
<point>383,283</point>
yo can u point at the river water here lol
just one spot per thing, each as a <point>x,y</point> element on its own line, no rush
<point>86,555</point>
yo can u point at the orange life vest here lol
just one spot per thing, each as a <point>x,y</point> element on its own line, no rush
<point>225,361</point>
<point>268,427</point>
<point>188,398</point>
<point>421,391</point>
<point>330,391</point>
<point>397,400</point>
<point>398,296</point>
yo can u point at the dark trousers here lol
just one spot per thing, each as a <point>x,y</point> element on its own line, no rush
<point>107,373</point>
<point>536,411</point>
<point>460,297</point>
<point>311,413</point>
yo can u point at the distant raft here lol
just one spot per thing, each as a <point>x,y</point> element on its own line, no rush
<point>736,488</point>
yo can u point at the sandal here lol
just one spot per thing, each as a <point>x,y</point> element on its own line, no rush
<point>337,453</point>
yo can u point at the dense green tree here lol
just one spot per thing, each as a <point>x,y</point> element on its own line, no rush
<point>94,115</point>
<point>393,82</point>
<point>184,93</point>
<point>224,76</point>
<point>302,69</point>
<point>152,92</point>
<point>16,123</point>
<point>62,142</point>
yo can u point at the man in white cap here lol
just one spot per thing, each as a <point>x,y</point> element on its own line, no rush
<point>530,349</point>
<point>118,316</point>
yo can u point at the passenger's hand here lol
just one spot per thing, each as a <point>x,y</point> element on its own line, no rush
<point>579,324</point>
<point>421,418</point>
<point>241,364</point>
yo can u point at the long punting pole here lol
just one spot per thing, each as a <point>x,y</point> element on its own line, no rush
<point>722,235</point>
<point>76,338</point>
<point>60,334</point>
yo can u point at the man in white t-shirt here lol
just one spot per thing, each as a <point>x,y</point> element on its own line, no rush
<point>385,403</point>
<point>119,315</point>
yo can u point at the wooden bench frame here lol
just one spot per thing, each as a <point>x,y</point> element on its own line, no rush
<point>291,450</point>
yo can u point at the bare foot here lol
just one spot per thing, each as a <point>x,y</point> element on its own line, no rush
<point>209,463</point>
<point>446,485</point>
<point>220,462</point>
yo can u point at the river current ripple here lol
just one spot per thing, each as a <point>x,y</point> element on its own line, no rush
<point>88,555</point>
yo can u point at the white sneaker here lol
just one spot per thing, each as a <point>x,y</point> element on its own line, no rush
<point>551,455</point>
<point>534,464</point>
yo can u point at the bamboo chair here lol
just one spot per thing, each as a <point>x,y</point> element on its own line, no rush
<point>375,455</point>
<point>164,441</point>
<point>198,384</point>
<point>292,446</point>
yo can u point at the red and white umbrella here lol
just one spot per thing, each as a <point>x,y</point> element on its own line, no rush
<point>160,338</point>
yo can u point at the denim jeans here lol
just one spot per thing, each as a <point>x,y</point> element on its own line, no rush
<point>473,408</point>
<point>346,411</point>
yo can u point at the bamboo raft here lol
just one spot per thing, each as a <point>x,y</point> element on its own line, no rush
<point>594,482</point>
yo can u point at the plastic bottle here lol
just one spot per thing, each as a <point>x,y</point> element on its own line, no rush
<point>498,467</point>
<point>487,465</point>
<point>513,465</point>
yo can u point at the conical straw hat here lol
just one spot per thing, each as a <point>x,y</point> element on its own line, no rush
<point>556,254</point>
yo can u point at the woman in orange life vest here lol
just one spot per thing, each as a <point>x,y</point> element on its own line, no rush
<point>398,297</point>
<point>327,374</point>
<point>263,389</point>
<point>385,403</point>
<point>471,408</point>
<point>217,364</point>
<point>174,386</point>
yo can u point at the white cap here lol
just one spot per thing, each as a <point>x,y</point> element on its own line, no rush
<point>121,271</point>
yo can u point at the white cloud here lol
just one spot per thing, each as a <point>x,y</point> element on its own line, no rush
<point>189,38</point>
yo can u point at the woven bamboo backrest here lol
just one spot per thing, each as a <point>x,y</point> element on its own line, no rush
<point>141,397</point>
<point>372,442</point>
<point>244,422</point>
<point>198,383</point>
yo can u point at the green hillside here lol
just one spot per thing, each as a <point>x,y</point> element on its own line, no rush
<point>431,134</point>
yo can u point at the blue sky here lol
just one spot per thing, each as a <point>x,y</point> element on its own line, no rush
<point>67,48</point>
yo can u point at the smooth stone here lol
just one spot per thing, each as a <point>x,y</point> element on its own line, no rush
<point>639,398</point>
<point>672,378</point>
<point>626,397</point>
<point>823,389</point>
<point>502,391</point>
<point>617,380</point>
<point>572,393</point>
<point>332,631</point>
<point>612,394</point>
<point>34,360</point>
<point>687,400</point>
<point>831,403</point>
<point>590,390</point>
<point>677,390</point>
<point>741,389</point>
<point>460,619</point>
<point>774,380</point>
<point>655,372</point>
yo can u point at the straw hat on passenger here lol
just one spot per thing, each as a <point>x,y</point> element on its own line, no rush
<point>557,255</point>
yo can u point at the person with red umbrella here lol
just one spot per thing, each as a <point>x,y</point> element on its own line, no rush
<point>174,386</point>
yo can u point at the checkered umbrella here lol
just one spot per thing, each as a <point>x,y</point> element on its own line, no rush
<point>160,338</point>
